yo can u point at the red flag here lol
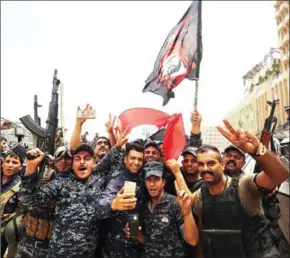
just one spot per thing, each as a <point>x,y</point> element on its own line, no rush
<point>174,139</point>
<point>179,57</point>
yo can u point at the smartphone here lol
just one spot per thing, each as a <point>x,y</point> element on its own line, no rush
<point>129,187</point>
<point>133,222</point>
<point>89,114</point>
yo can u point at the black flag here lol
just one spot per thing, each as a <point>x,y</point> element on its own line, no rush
<point>179,56</point>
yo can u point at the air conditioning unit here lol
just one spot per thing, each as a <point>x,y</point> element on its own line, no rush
<point>19,131</point>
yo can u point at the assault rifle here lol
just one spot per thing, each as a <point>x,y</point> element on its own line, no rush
<point>47,135</point>
<point>267,132</point>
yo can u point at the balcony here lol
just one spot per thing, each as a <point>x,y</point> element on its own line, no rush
<point>285,59</point>
<point>277,4</point>
<point>284,7</point>
<point>282,28</point>
<point>285,41</point>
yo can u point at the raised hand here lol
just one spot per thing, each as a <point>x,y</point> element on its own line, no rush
<point>184,200</point>
<point>122,136</point>
<point>173,166</point>
<point>195,117</point>
<point>32,164</point>
<point>83,118</point>
<point>109,124</point>
<point>244,140</point>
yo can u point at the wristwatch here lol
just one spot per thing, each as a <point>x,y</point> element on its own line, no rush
<point>260,151</point>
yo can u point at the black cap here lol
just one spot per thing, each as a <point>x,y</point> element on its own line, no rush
<point>84,147</point>
<point>234,148</point>
<point>153,144</point>
<point>189,150</point>
<point>153,168</point>
<point>286,108</point>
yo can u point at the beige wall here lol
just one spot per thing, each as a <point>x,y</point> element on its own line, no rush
<point>252,111</point>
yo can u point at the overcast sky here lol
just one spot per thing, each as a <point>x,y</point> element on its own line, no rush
<point>104,51</point>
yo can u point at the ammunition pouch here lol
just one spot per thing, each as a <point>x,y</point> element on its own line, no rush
<point>40,229</point>
<point>222,243</point>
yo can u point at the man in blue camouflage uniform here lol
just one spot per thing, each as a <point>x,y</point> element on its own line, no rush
<point>75,233</point>
<point>167,221</point>
<point>117,245</point>
<point>39,221</point>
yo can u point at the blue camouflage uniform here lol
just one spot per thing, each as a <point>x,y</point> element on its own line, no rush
<point>117,244</point>
<point>163,226</point>
<point>76,229</point>
<point>163,229</point>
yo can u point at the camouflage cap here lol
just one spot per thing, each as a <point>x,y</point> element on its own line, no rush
<point>189,150</point>
<point>234,148</point>
<point>153,168</point>
<point>84,147</point>
<point>152,144</point>
<point>286,108</point>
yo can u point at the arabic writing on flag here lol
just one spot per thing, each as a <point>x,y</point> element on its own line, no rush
<point>179,56</point>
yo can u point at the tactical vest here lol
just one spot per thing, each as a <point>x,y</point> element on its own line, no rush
<point>5,197</point>
<point>36,227</point>
<point>227,230</point>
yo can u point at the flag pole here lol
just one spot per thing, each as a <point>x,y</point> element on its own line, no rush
<point>198,55</point>
<point>195,95</point>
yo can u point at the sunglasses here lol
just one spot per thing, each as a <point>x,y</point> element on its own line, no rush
<point>62,152</point>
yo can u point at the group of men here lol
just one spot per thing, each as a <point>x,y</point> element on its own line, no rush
<point>206,208</point>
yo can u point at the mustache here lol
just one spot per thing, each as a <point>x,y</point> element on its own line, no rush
<point>231,161</point>
<point>207,172</point>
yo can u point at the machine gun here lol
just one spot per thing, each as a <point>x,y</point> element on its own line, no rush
<point>267,132</point>
<point>47,135</point>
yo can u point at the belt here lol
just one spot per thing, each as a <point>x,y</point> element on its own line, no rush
<point>38,244</point>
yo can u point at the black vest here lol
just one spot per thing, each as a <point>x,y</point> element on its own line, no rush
<point>227,230</point>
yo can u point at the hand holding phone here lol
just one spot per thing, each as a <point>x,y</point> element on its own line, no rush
<point>130,187</point>
<point>133,222</point>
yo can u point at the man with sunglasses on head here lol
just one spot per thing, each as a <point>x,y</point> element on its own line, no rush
<point>39,221</point>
